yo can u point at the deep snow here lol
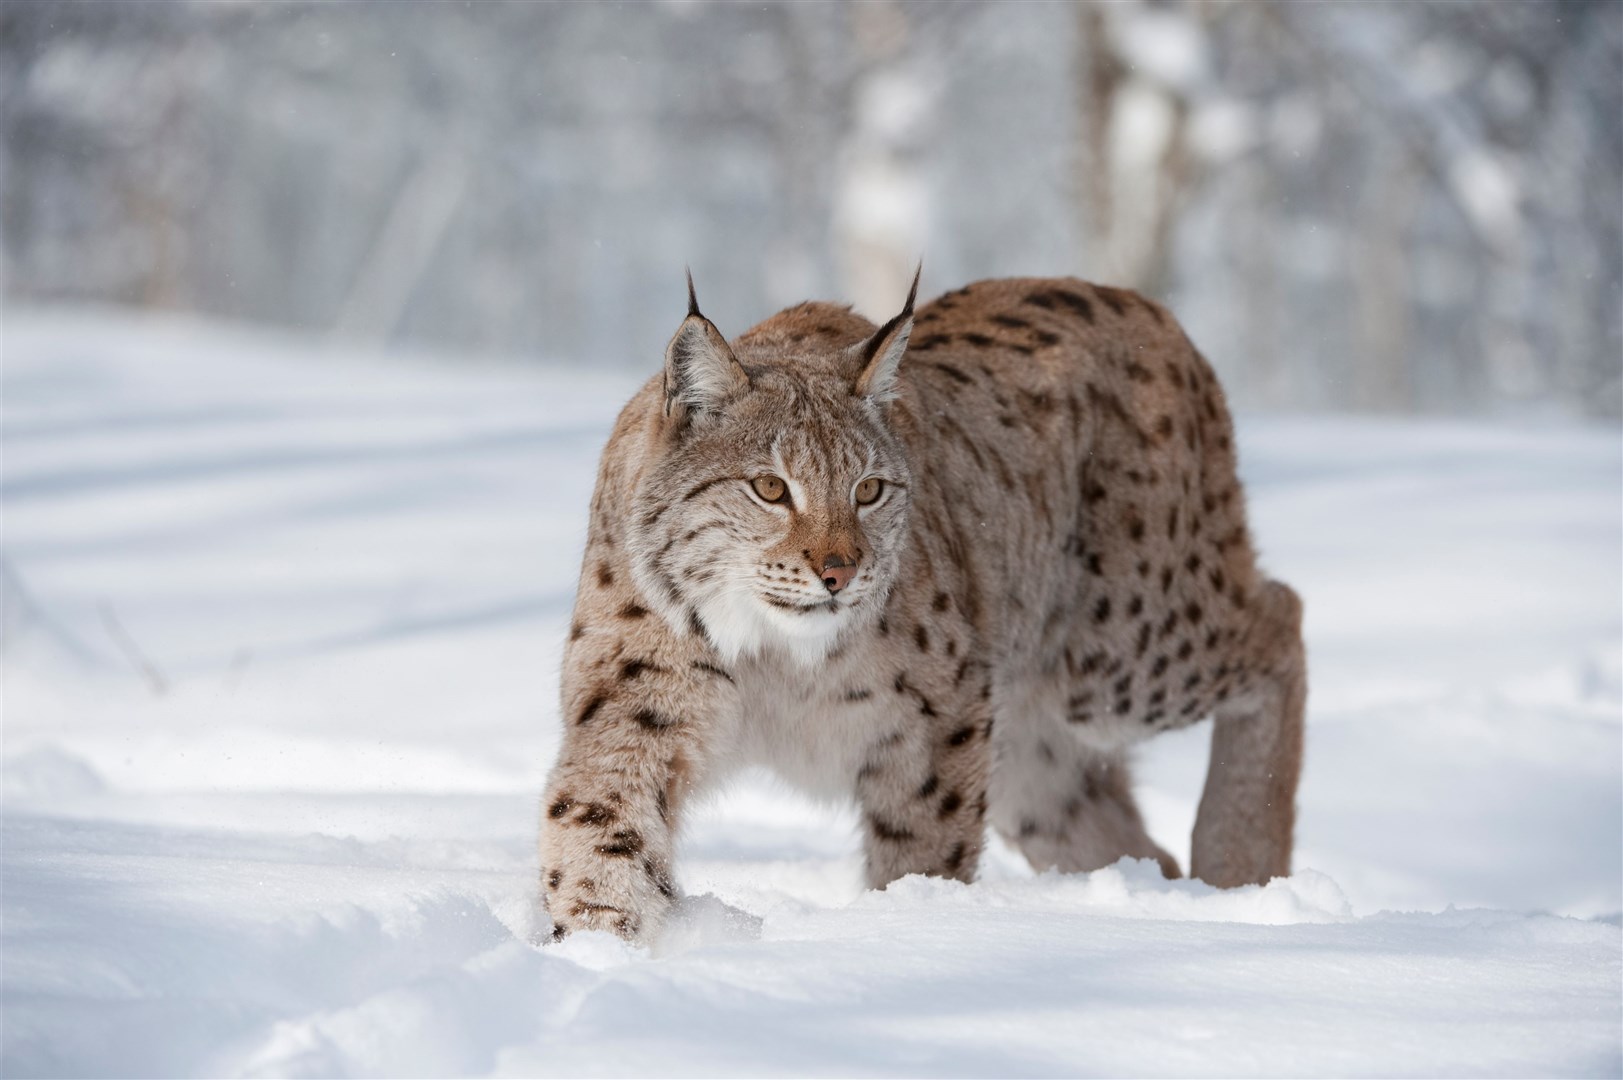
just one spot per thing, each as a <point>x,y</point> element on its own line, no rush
<point>281,638</point>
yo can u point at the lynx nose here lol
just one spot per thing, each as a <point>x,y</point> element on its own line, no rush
<point>837,572</point>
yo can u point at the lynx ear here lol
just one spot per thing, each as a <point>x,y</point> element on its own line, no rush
<point>881,355</point>
<point>701,372</point>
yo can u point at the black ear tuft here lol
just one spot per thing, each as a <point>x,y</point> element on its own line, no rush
<point>881,354</point>
<point>913,293</point>
<point>701,372</point>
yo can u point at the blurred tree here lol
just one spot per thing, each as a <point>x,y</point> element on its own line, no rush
<point>1396,207</point>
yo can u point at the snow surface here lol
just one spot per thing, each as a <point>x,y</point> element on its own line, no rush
<point>282,628</point>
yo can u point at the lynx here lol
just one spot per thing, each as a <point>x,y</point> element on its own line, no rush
<point>953,567</point>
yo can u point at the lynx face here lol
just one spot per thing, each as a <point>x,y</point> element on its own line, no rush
<point>775,514</point>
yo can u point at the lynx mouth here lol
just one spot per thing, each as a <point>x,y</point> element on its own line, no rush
<point>830,605</point>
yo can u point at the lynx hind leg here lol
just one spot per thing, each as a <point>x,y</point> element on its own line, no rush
<point>1065,805</point>
<point>1243,829</point>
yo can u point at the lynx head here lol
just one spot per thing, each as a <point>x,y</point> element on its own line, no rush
<point>772,512</point>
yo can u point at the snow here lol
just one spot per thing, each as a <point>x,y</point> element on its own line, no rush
<point>281,641</point>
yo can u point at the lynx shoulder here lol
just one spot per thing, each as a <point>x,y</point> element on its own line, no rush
<point>951,568</point>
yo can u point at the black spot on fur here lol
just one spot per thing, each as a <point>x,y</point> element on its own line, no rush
<point>624,844</point>
<point>1076,303</point>
<point>961,736</point>
<point>591,708</point>
<point>1113,298</point>
<point>660,878</point>
<point>631,669</point>
<point>884,830</point>
<point>596,814</point>
<point>711,669</point>
<point>652,720</point>
<point>1050,299</point>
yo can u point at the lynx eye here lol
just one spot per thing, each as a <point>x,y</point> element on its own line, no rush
<point>770,488</point>
<point>869,490</point>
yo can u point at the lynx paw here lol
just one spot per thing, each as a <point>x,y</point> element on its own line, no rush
<point>628,900</point>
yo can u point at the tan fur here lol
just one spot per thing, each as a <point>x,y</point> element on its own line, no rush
<point>1059,568</point>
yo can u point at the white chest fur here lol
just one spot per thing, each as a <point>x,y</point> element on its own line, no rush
<point>814,726</point>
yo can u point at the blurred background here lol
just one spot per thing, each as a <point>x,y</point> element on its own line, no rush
<point>1381,207</point>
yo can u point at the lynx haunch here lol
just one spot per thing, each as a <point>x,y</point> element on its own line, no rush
<point>952,568</point>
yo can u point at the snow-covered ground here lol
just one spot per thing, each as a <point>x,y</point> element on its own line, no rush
<point>282,628</point>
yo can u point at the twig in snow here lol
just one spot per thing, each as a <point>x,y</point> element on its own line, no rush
<point>132,651</point>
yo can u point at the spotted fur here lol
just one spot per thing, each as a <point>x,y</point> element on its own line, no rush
<point>1057,567</point>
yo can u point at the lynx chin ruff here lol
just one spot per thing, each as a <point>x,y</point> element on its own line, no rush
<point>952,568</point>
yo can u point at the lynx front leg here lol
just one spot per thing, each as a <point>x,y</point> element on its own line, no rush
<point>634,746</point>
<point>1243,830</point>
<point>923,790</point>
